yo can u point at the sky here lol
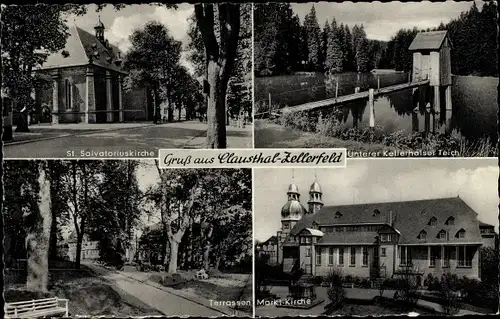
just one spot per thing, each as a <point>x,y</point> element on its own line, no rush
<point>119,25</point>
<point>383,20</point>
<point>379,180</point>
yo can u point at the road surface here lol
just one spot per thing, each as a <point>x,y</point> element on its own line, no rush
<point>166,303</point>
<point>118,142</point>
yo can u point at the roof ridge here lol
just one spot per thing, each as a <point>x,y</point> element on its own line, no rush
<point>395,202</point>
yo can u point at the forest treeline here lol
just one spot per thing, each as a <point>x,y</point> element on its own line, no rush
<point>284,45</point>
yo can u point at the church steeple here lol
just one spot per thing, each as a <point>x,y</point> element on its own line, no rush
<point>315,198</point>
<point>99,30</point>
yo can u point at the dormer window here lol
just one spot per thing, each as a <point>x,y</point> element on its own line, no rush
<point>460,233</point>
<point>376,212</point>
<point>442,234</point>
<point>96,54</point>
<point>432,221</point>
<point>108,59</point>
<point>384,238</point>
<point>450,221</point>
<point>338,214</point>
<point>315,225</point>
<point>422,234</point>
<point>94,45</point>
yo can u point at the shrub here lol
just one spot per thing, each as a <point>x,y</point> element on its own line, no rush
<point>365,283</point>
<point>348,279</point>
<point>337,295</point>
<point>406,290</point>
<point>317,280</point>
<point>448,288</point>
<point>334,277</point>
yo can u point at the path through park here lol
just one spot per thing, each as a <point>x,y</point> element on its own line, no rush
<point>166,303</point>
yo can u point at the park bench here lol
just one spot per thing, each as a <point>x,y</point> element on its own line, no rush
<point>36,308</point>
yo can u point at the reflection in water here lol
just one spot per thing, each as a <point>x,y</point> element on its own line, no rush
<point>473,113</point>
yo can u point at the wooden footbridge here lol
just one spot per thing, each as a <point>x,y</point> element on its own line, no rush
<point>370,95</point>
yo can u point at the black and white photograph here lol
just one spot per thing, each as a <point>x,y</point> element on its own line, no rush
<point>101,81</point>
<point>125,238</point>
<point>380,237</point>
<point>416,79</point>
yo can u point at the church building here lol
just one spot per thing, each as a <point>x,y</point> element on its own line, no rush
<point>87,83</point>
<point>376,240</point>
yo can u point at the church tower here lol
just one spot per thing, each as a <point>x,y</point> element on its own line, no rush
<point>99,31</point>
<point>315,198</point>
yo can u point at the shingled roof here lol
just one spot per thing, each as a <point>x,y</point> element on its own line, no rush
<point>410,217</point>
<point>80,47</point>
<point>431,40</point>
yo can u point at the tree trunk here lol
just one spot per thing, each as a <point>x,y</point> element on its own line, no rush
<point>174,250</point>
<point>216,108</point>
<point>37,239</point>
<point>180,109</point>
<point>78,258</point>
<point>54,208</point>
<point>208,248</point>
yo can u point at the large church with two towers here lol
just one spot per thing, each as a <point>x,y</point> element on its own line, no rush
<point>377,240</point>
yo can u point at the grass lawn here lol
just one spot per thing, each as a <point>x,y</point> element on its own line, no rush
<point>220,286</point>
<point>87,295</point>
<point>271,135</point>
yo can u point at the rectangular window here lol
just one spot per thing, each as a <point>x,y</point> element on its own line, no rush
<point>435,253</point>
<point>442,235</point>
<point>353,257</point>
<point>308,240</point>
<point>339,229</point>
<point>318,256</point>
<point>365,256</point>
<point>285,226</point>
<point>465,255</point>
<point>308,252</point>
<point>446,256</point>
<point>405,256</point>
<point>461,234</point>
<point>341,256</point>
<point>383,252</point>
<point>330,256</point>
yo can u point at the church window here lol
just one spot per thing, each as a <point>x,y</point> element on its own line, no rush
<point>422,234</point>
<point>450,221</point>
<point>432,221</point>
<point>383,252</point>
<point>352,261</point>
<point>69,95</point>
<point>330,256</point>
<point>365,256</point>
<point>460,233</point>
<point>341,256</point>
<point>442,234</point>
<point>384,238</point>
<point>465,255</point>
<point>318,256</point>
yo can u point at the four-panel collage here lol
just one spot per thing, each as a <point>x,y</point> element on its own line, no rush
<point>250,159</point>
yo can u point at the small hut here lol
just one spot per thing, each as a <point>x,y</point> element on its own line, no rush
<point>432,61</point>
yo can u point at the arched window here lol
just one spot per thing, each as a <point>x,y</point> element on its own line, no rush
<point>422,234</point>
<point>432,221</point>
<point>460,233</point>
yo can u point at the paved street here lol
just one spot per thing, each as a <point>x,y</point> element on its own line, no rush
<point>167,303</point>
<point>118,140</point>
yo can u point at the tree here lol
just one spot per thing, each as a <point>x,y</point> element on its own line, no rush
<point>25,47</point>
<point>154,56</point>
<point>219,62</point>
<point>362,55</point>
<point>175,197</point>
<point>313,35</point>
<point>334,54</point>
<point>38,223</point>
<point>59,198</point>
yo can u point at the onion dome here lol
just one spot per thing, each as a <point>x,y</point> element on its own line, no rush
<point>293,189</point>
<point>293,209</point>
<point>315,188</point>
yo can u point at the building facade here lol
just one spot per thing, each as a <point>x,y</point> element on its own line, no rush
<point>90,250</point>
<point>87,83</point>
<point>381,239</point>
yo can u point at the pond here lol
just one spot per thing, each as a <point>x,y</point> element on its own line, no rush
<point>474,100</point>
